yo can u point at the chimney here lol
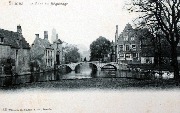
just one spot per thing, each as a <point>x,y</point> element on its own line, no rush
<point>56,36</point>
<point>116,35</point>
<point>46,35</point>
<point>19,30</point>
<point>37,35</point>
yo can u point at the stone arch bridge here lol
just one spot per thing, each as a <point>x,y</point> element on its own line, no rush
<point>98,65</point>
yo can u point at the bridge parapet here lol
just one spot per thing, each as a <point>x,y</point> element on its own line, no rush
<point>99,65</point>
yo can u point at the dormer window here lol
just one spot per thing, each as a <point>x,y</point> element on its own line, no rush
<point>125,38</point>
<point>132,38</point>
<point>1,39</point>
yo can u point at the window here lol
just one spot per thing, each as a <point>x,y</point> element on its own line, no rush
<point>23,61</point>
<point>132,38</point>
<point>48,62</point>
<point>133,47</point>
<point>125,38</point>
<point>16,54</point>
<point>51,62</point>
<point>2,39</point>
<point>121,55</point>
<point>128,55</point>
<point>134,55</point>
<point>120,47</point>
<point>127,47</point>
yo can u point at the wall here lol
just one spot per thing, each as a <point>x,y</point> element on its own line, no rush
<point>147,60</point>
<point>5,51</point>
<point>23,61</point>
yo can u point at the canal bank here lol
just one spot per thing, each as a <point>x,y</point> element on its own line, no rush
<point>97,83</point>
<point>83,72</point>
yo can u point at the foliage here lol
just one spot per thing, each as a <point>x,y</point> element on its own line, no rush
<point>99,48</point>
<point>37,61</point>
<point>164,16</point>
<point>71,54</point>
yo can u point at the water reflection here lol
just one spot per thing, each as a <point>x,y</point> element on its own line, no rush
<point>82,71</point>
<point>86,71</point>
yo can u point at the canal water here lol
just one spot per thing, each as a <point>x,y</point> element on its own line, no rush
<point>82,71</point>
<point>86,71</point>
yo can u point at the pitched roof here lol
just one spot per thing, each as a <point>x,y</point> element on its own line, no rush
<point>58,41</point>
<point>44,43</point>
<point>13,39</point>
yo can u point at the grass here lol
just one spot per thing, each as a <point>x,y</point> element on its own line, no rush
<point>98,83</point>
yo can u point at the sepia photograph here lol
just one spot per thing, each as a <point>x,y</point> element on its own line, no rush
<point>90,56</point>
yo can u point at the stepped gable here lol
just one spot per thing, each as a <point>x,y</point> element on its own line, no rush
<point>128,30</point>
<point>128,27</point>
<point>25,44</point>
<point>12,39</point>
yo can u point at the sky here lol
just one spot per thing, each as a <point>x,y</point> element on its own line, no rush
<point>80,22</point>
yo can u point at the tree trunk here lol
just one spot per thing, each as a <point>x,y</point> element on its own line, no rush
<point>175,62</point>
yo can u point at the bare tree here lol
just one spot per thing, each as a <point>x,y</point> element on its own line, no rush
<point>166,15</point>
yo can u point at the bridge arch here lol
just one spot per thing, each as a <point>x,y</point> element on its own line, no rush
<point>114,66</point>
<point>66,66</point>
<point>93,64</point>
<point>95,67</point>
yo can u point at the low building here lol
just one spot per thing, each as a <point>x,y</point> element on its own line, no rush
<point>15,51</point>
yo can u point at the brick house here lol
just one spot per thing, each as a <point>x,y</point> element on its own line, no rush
<point>42,52</point>
<point>127,46</point>
<point>14,50</point>
<point>140,46</point>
